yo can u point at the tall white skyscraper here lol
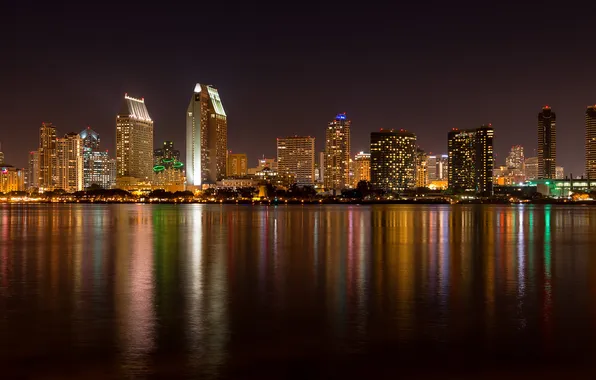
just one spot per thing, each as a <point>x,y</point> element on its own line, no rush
<point>206,137</point>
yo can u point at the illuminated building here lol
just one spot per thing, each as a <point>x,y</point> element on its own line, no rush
<point>47,156</point>
<point>263,163</point>
<point>531,168</point>
<point>69,163</point>
<point>461,153</point>
<point>99,169</point>
<point>591,142</point>
<point>166,151</point>
<point>33,171</point>
<point>484,160</point>
<point>515,159</point>
<point>393,160</point>
<point>421,168</point>
<point>237,165</point>
<point>321,166</point>
<point>337,153</point>
<point>206,137</point>
<point>560,172</point>
<point>437,168</point>
<point>134,142</point>
<point>361,168</point>
<point>90,139</point>
<point>168,172</point>
<point>11,179</point>
<point>296,156</point>
<point>547,143</point>
<point>471,160</point>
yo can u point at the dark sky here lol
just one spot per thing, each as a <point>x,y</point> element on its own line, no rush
<point>289,68</point>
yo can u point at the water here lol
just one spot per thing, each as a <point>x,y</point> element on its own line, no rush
<point>211,291</point>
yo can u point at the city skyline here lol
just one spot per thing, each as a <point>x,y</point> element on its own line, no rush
<point>492,75</point>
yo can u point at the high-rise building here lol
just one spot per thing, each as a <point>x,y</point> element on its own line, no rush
<point>321,166</point>
<point>69,162</point>
<point>11,179</point>
<point>237,165</point>
<point>547,144</point>
<point>462,155</point>
<point>296,155</point>
<point>33,171</point>
<point>443,167</point>
<point>361,168</point>
<point>531,168</point>
<point>134,142</point>
<point>431,167</point>
<point>206,137</point>
<point>47,156</point>
<point>421,168</point>
<point>167,151</point>
<point>560,172</point>
<point>393,160</point>
<point>484,160</point>
<point>591,142</point>
<point>515,159</point>
<point>471,160</point>
<point>337,153</point>
<point>90,139</point>
<point>100,170</point>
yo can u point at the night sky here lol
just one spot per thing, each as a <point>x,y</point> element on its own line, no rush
<point>288,69</point>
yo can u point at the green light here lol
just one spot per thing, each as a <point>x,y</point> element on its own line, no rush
<point>159,168</point>
<point>167,160</point>
<point>178,164</point>
<point>547,183</point>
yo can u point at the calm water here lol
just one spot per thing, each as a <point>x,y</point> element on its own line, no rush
<point>209,291</point>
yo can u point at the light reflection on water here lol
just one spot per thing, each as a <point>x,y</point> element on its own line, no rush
<point>223,291</point>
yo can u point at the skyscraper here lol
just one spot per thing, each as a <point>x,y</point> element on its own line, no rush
<point>69,162</point>
<point>361,168</point>
<point>337,153</point>
<point>296,155</point>
<point>547,143</point>
<point>591,142</point>
<point>484,160</point>
<point>33,170</point>
<point>237,165</point>
<point>471,160</point>
<point>100,170</point>
<point>206,137</point>
<point>90,139</point>
<point>47,156</point>
<point>134,141</point>
<point>393,160</point>
<point>421,168</point>
<point>462,155</point>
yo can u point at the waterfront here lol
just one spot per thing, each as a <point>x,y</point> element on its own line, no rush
<point>110,291</point>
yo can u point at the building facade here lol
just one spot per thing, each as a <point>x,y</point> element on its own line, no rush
<point>134,142</point>
<point>471,160</point>
<point>484,160</point>
<point>99,170</point>
<point>547,143</point>
<point>206,137</point>
<point>515,160</point>
<point>461,155</point>
<point>361,168</point>
<point>237,165</point>
<point>33,171</point>
<point>337,153</point>
<point>296,156</point>
<point>591,142</point>
<point>69,163</point>
<point>531,168</point>
<point>393,160</point>
<point>11,179</point>
<point>421,168</point>
<point>47,156</point>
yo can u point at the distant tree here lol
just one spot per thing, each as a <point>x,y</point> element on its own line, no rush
<point>94,186</point>
<point>364,188</point>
